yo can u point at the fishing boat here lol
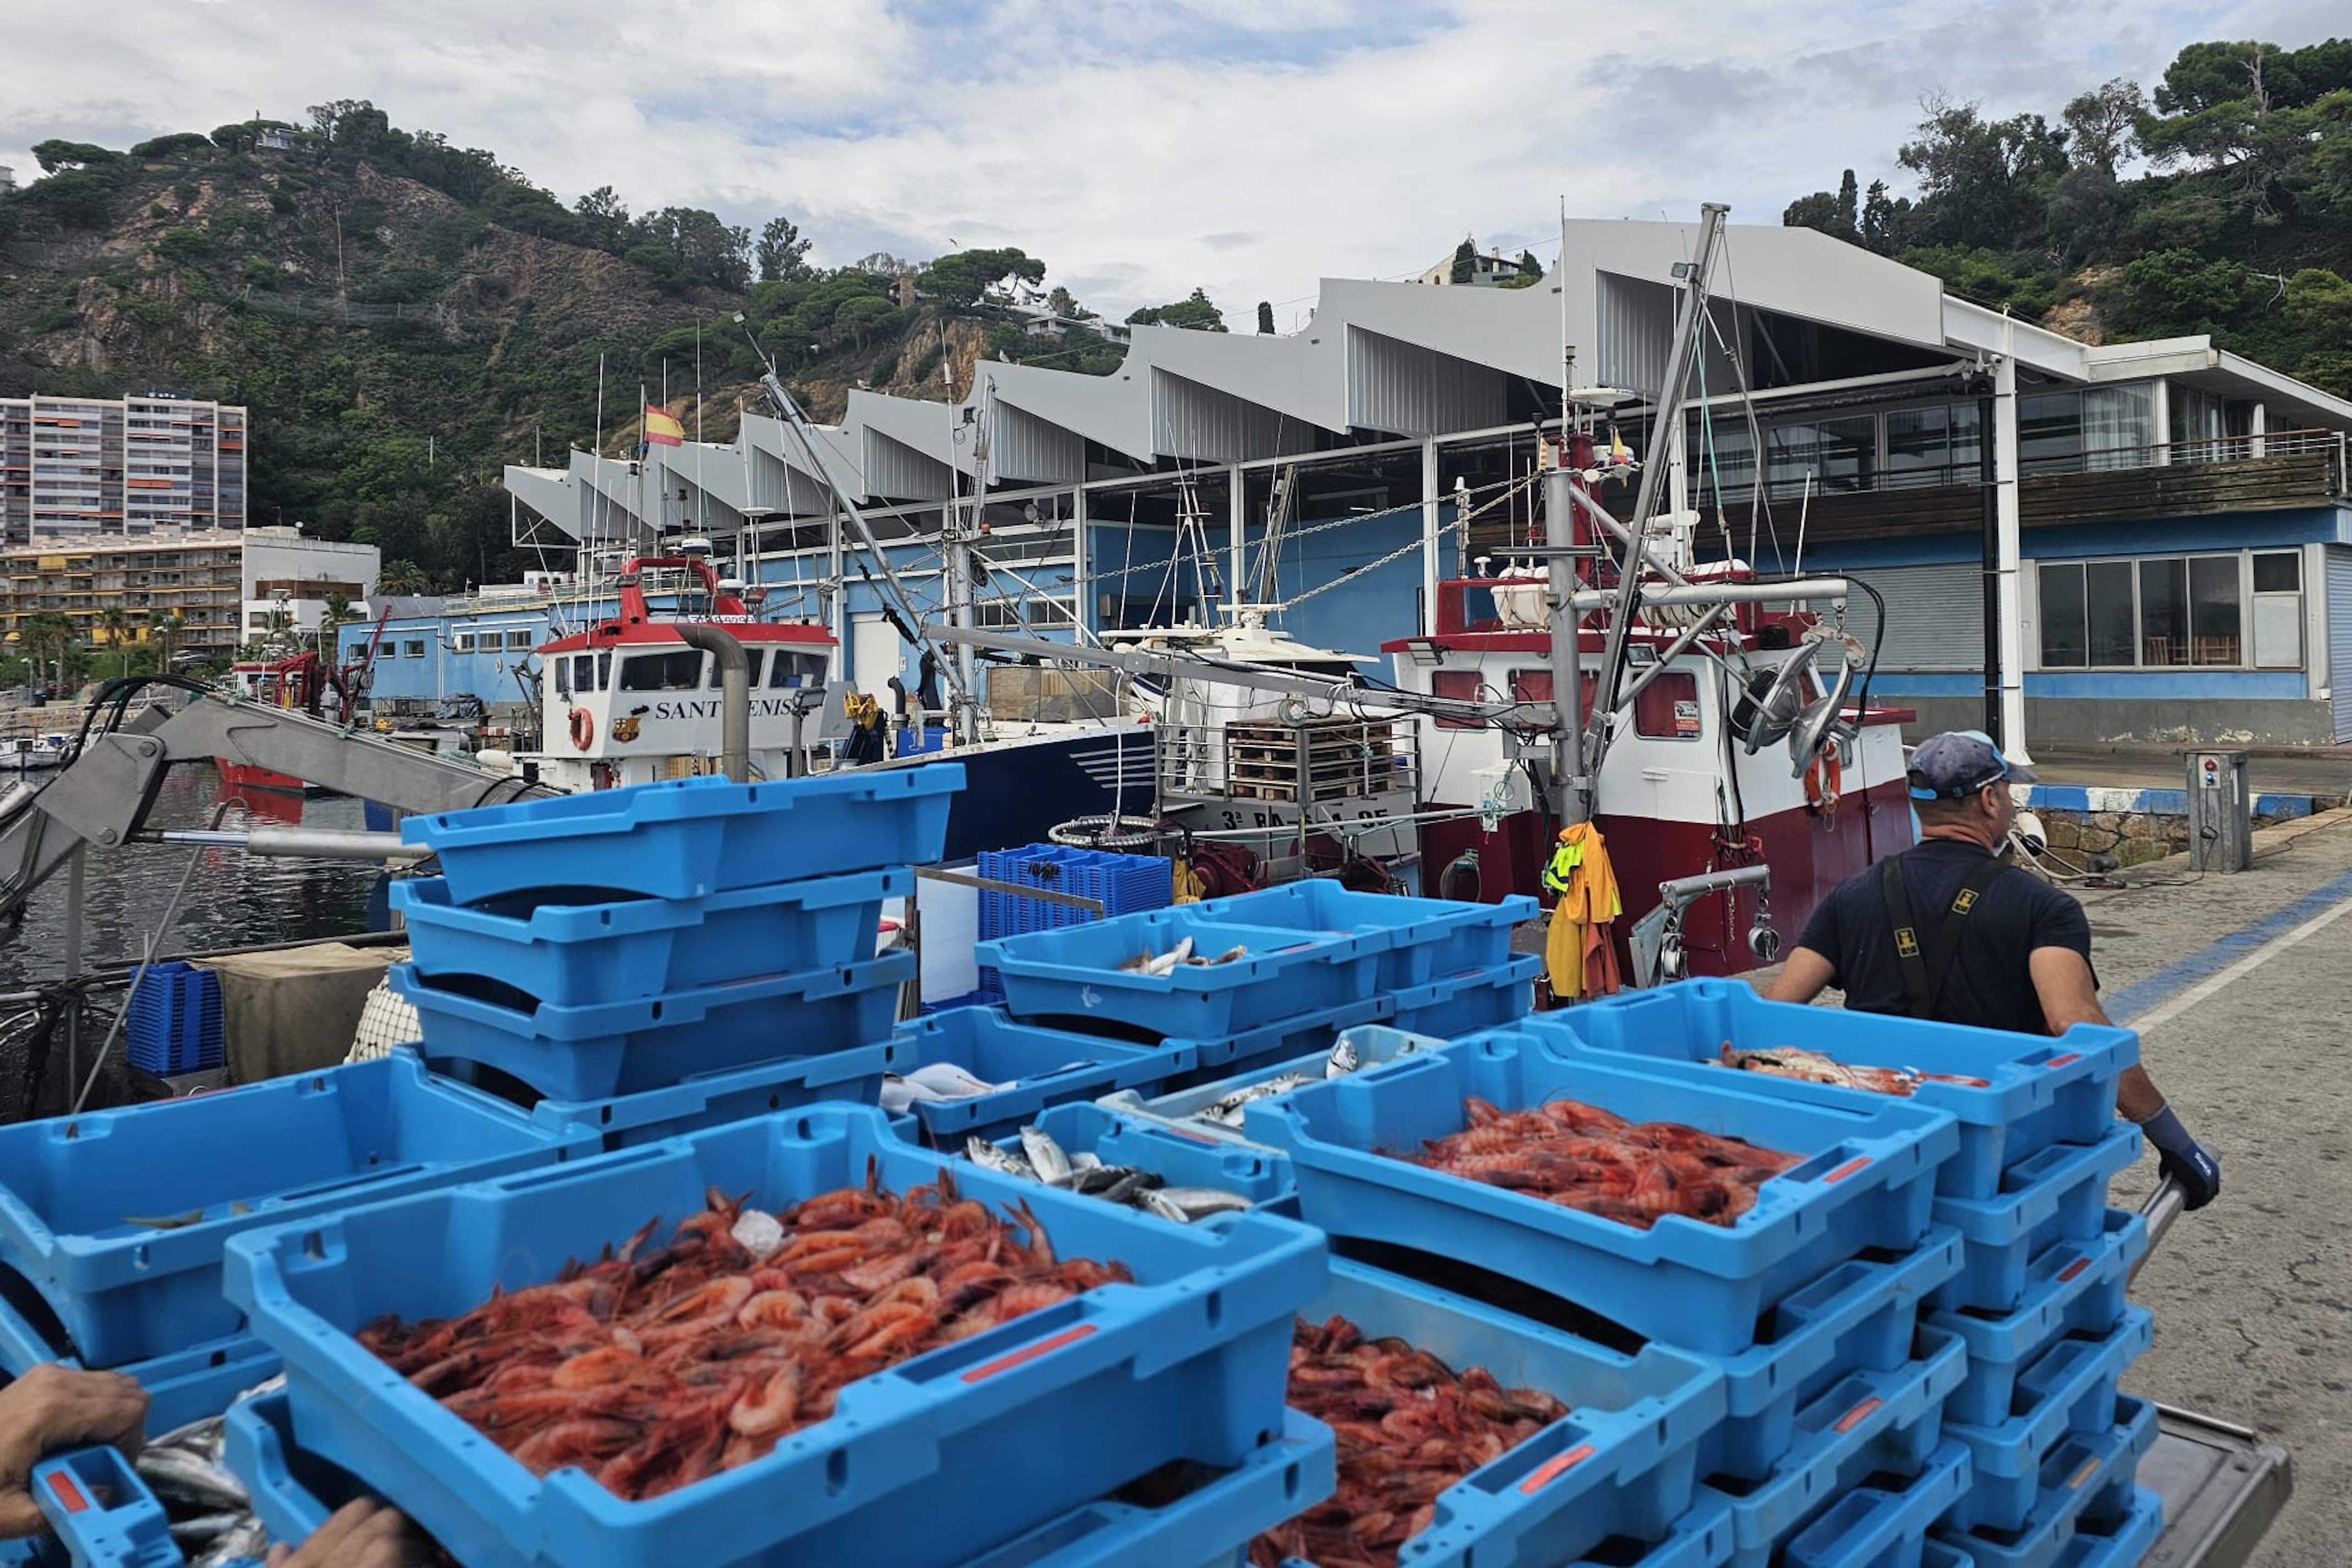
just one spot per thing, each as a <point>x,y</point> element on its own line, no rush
<point>27,754</point>
<point>282,679</point>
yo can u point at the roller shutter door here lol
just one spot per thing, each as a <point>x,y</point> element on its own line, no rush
<point>1934,616</point>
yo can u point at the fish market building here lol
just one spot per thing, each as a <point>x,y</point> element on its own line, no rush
<point>2169,523</point>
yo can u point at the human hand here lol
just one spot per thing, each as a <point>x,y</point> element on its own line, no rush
<point>53,1407</point>
<point>2183,1159</point>
<point>362,1534</point>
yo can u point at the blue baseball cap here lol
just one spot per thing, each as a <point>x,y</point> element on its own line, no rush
<point>1956,764</point>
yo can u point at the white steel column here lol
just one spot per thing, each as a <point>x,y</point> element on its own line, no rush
<point>1081,589</point>
<point>1677,447</point>
<point>1430,536</point>
<point>2160,416</point>
<point>2006,522</point>
<point>1237,533</point>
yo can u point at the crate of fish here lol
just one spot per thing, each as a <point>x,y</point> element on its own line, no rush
<point>1146,1165</point>
<point>624,1048</point>
<point>1673,1199</point>
<point>1865,1424</point>
<point>182,1385</point>
<point>1429,938</point>
<point>1884,1521</point>
<point>1220,1056</point>
<point>1179,972</point>
<point>116,1218</point>
<point>580,948</point>
<point>2069,1389</point>
<point>1216,1106</point>
<point>1861,1316</point>
<point>1464,1004</point>
<point>2012,1095</point>
<point>2074,1287</point>
<point>1548,1444</point>
<point>2058,1194</point>
<point>189,1499</point>
<point>687,839</point>
<point>173,1022</point>
<point>854,1075</point>
<point>973,1072</point>
<point>874,1376</point>
<point>2087,1479</point>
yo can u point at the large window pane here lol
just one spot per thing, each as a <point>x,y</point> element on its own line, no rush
<point>2108,586</point>
<point>2064,637</point>
<point>1463,686</point>
<point>2279,574</point>
<point>1849,454</point>
<point>662,671</point>
<point>2049,431</point>
<point>1918,448</point>
<point>2118,427</point>
<point>2214,610</point>
<point>2164,612</point>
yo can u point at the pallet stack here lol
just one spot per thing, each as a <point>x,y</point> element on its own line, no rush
<point>1326,759</point>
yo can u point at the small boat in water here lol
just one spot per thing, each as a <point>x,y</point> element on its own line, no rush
<point>24,753</point>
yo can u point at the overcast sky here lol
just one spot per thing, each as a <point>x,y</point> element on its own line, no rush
<point>1141,146</point>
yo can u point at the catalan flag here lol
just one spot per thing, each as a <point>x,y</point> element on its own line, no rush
<point>662,429</point>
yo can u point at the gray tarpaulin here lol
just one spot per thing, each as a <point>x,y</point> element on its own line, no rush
<point>296,1010</point>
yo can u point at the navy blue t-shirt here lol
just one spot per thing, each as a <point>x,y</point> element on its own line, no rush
<point>1990,984</point>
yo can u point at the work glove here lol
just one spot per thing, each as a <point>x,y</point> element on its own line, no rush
<point>2180,1157</point>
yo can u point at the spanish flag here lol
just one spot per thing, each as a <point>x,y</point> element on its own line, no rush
<point>661,430</point>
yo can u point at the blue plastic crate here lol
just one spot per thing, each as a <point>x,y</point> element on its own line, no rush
<point>1074,972</point>
<point>70,1185</point>
<point>1430,938</point>
<point>1864,1423</point>
<point>1866,1179</point>
<point>103,1514</point>
<point>1374,1044</point>
<point>2069,1389</point>
<point>1219,1056</point>
<point>1861,1316</point>
<point>983,1439</point>
<point>2013,1094</point>
<point>689,837</point>
<point>1464,1004</point>
<point>2074,1287</point>
<point>1885,1524</point>
<point>2088,1476</point>
<point>1182,1158</point>
<point>2117,1541</point>
<point>2058,1194</point>
<point>182,1386</point>
<point>576,952</point>
<point>733,1094</point>
<point>175,1021</point>
<point>1038,1068</point>
<point>623,1048</point>
<point>1622,1463</point>
<point>1123,884</point>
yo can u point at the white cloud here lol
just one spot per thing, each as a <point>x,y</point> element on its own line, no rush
<point>1141,147</point>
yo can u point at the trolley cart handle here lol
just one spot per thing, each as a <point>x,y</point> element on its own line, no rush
<point>2164,1205</point>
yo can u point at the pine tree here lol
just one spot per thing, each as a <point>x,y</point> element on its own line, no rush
<point>1846,214</point>
<point>1265,317</point>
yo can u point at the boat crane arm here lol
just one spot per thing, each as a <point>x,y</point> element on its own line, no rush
<point>103,797</point>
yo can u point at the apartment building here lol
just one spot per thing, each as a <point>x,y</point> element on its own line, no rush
<point>199,577</point>
<point>80,467</point>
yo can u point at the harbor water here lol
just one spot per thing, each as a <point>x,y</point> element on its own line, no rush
<point>232,900</point>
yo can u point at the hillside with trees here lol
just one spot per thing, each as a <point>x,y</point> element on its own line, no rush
<point>2219,202</point>
<point>404,317</point>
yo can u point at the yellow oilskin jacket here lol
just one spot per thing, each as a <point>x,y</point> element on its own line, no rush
<point>1578,954</point>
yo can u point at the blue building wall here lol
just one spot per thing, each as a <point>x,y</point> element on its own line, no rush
<point>437,669</point>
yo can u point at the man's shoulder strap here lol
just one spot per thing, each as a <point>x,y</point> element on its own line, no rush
<point>1926,966</point>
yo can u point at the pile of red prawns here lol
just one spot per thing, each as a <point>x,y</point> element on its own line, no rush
<point>1582,1157</point>
<point>654,1371</point>
<point>1408,1427</point>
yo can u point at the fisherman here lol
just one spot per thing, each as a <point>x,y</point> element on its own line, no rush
<point>1950,931</point>
<point>53,1408</point>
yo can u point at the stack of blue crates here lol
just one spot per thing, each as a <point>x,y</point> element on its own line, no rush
<point>174,1023</point>
<point>1122,884</point>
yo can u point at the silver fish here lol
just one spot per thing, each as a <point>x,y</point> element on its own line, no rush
<point>203,1437</point>
<point>1082,1161</point>
<point>190,1534</point>
<point>987,1156</point>
<point>247,1540</point>
<point>1343,1058</point>
<point>1227,1113</point>
<point>1200,1203</point>
<point>176,1475</point>
<point>1046,1156</point>
<point>1231,955</point>
<point>1157,1202</point>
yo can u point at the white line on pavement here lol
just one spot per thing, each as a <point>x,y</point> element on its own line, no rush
<point>2157,1016</point>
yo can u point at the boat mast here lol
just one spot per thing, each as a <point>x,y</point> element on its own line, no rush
<point>1571,783</point>
<point>1692,275</point>
<point>956,531</point>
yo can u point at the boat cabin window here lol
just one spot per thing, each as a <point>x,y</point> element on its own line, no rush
<point>796,670</point>
<point>1535,685</point>
<point>562,676</point>
<point>584,670</point>
<point>751,657</point>
<point>1463,686</point>
<point>604,671</point>
<point>677,671</point>
<point>1667,709</point>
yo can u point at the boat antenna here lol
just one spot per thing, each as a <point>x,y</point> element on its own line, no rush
<point>896,589</point>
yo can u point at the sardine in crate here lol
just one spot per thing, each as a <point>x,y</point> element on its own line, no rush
<point>934,1461</point>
